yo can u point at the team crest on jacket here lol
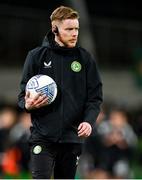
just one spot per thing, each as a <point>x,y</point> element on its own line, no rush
<point>37,149</point>
<point>75,66</point>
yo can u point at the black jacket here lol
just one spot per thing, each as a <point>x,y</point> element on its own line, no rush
<point>79,93</point>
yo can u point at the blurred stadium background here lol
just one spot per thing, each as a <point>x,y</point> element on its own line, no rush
<point>110,30</point>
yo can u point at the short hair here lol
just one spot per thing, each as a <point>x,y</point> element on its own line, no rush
<point>62,13</point>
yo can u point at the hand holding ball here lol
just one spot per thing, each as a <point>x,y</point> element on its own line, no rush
<point>44,85</point>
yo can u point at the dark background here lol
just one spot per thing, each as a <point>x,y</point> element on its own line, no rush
<point>116,27</point>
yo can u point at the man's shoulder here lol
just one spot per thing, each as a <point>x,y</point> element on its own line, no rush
<point>87,56</point>
<point>83,50</point>
<point>37,50</point>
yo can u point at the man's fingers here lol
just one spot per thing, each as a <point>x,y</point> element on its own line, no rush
<point>41,103</point>
<point>27,95</point>
<point>34,101</point>
<point>84,129</point>
<point>83,132</point>
<point>37,96</point>
<point>38,99</point>
<point>80,126</point>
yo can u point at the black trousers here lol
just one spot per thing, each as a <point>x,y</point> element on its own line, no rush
<point>54,159</point>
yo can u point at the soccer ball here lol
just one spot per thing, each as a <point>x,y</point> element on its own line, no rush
<point>42,84</point>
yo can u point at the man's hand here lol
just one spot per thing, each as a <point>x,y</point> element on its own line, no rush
<point>84,129</point>
<point>35,102</point>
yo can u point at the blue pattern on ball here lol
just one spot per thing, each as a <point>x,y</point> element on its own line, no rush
<point>47,90</point>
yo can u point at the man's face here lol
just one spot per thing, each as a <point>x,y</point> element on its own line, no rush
<point>68,32</point>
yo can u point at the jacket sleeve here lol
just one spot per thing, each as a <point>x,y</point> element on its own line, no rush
<point>94,91</point>
<point>29,70</point>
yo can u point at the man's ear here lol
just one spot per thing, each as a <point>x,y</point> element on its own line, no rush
<point>55,30</point>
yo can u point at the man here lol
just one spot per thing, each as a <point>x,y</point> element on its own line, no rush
<point>60,128</point>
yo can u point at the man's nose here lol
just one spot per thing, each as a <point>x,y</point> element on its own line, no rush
<point>75,33</point>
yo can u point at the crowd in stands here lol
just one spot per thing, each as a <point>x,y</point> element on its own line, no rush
<point>14,147</point>
<point>112,151</point>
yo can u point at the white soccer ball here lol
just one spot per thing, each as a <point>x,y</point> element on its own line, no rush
<point>42,84</point>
